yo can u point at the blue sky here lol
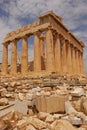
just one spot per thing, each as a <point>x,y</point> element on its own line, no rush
<point>17,13</point>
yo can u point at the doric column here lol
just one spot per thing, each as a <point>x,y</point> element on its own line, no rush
<point>57,54</point>
<point>69,58</point>
<point>49,51</point>
<point>5,59</point>
<point>24,61</point>
<point>82,64</point>
<point>77,62</point>
<point>37,55</point>
<point>63,56</point>
<point>14,57</point>
<point>42,50</point>
<point>73,60</point>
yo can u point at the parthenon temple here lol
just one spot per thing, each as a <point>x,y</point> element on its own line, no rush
<point>56,49</point>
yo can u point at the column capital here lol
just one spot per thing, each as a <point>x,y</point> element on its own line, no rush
<point>75,48</point>
<point>15,41</point>
<point>25,37</point>
<point>42,36</point>
<point>37,33</point>
<point>61,37</point>
<point>6,43</point>
<point>68,44</point>
<point>49,27</point>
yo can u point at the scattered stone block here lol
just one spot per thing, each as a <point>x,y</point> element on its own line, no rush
<point>21,96</point>
<point>30,112</point>
<point>63,125</point>
<point>4,110</point>
<point>38,124</point>
<point>21,125</point>
<point>3,101</point>
<point>84,105</point>
<point>78,92</point>
<point>3,126</point>
<point>30,127</point>
<point>51,104</point>
<point>75,120</point>
<point>21,106</point>
<point>68,108</point>
<point>42,115</point>
<point>49,119</point>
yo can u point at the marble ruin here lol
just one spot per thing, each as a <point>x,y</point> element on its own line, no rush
<point>56,49</point>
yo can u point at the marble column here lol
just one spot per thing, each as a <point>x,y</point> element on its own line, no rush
<point>73,61</point>
<point>63,56</point>
<point>14,57</point>
<point>5,59</point>
<point>69,58</point>
<point>82,64</point>
<point>77,62</point>
<point>24,61</point>
<point>37,55</point>
<point>42,51</point>
<point>57,54</point>
<point>49,51</point>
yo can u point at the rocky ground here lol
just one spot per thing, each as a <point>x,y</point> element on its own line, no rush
<point>52,102</point>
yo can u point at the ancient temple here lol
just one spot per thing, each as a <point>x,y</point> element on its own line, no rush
<point>56,49</point>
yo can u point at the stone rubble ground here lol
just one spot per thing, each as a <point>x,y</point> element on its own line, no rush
<point>52,102</point>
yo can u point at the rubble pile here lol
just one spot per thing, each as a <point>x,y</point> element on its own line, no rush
<point>50,102</point>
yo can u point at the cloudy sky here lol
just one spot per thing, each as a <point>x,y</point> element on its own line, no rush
<point>17,13</point>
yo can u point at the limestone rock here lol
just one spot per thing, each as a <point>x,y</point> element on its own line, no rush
<point>3,126</point>
<point>68,108</point>
<point>63,125</point>
<point>71,110</point>
<point>30,96</point>
<point>21,124</point>
<point>77,105</point>
<point>10,89</point>
<point>47,93</point>
<point>30,127</point>
<point>8,95</point>
<point>21,106</point>
<point>21,96</point>
<point>49,119</point>
<point>30,112</point>
<point>6,84</point>
<point>78,92</point>
<point>42,115</point>
<point>84,105</point>
<point>75,120</point>
<point>3,92</point>
<point>37,89</point>
<point>50,104</point>
<point>46,129</point>
<point>37,123</point>
<point>12,84</point>
<point>3,101</point>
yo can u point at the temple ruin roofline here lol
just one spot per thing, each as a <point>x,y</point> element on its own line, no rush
<point>24,30</point>
<point>51,52</point>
